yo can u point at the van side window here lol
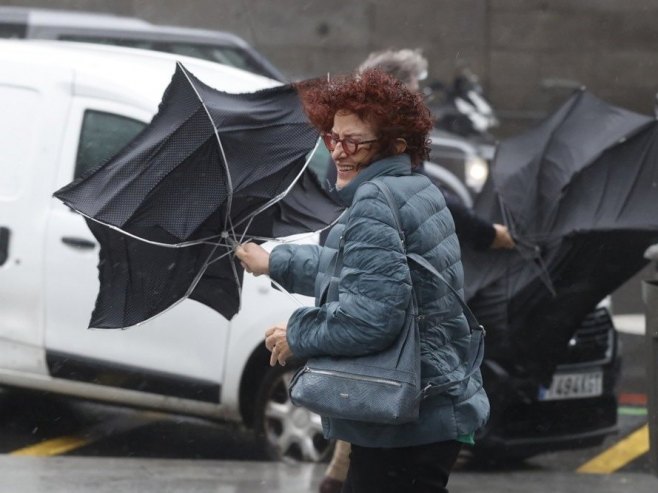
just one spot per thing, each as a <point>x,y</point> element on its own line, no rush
<point>102,136</point>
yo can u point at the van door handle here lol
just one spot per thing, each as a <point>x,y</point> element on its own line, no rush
<point>4,244</point>
<point>79,243</point>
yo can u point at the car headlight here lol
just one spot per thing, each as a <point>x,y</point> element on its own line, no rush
<point>476,174</point>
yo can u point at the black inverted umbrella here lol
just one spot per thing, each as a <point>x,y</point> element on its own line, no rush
<point>580,194</point>
<point>212,169</point>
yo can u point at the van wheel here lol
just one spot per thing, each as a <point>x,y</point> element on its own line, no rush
<point>288,431</point>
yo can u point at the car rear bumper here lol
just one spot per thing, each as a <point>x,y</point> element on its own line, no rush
<point>523,429</point>
<point>525,447</point>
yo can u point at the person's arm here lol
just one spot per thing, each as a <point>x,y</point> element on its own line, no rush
<point>475,231</point>
<point>295,267</point>
<point>374,288</point>
<point>471,229</point>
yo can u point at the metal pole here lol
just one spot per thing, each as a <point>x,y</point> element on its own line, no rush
<point>650,296</point>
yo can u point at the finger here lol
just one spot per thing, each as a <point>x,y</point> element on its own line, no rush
<point>282,358</point>
<point>281,341</point>
<point>273,358</point>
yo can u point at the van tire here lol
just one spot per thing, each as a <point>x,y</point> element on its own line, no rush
<point>287,431</point>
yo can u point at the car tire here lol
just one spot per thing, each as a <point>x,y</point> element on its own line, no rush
<point>287,431</point>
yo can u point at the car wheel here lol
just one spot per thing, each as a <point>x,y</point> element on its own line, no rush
<point>288,431</point>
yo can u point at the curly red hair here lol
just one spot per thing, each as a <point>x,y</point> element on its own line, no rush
<point>377,98</point>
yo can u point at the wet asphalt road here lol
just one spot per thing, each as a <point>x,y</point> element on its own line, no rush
<point>111,432</point>
<point>108,475</point>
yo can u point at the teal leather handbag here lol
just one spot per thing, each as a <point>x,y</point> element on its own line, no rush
<point>382,387</point>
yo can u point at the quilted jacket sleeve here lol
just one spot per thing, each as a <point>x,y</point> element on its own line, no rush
<point>295,267</point>
<point>374,288</point>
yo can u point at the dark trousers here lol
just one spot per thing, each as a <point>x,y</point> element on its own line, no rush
<point>418,469</point>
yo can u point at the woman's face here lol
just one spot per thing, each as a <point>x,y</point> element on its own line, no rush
<point>349,126</point>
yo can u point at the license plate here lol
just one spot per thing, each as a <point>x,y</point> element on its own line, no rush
<point>573,386</point>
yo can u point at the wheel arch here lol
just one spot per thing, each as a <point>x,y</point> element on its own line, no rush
<point>252,377</point>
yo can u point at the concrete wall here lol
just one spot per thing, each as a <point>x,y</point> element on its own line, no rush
<point>538,48</point>
<point>529,53</point>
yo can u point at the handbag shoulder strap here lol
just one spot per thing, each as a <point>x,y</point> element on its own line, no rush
<point>420,260</point>
<point>477,338</point>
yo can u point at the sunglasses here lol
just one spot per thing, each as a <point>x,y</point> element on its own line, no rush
<point>350,146</point>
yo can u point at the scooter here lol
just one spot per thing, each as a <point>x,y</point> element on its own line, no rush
<point>461,107</point>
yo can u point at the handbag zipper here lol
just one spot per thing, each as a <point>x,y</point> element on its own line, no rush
<point>352,377</point>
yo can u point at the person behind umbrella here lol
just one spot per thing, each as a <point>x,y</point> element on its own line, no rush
<point>410,67</point>
<point>376,129</point>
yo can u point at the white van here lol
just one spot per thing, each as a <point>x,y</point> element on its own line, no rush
<point>63,108</point>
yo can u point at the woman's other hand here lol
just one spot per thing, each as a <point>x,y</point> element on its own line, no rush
<point>277,342</point>
<point>254,258</point>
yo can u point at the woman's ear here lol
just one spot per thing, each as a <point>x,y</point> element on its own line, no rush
<point>400,146</point>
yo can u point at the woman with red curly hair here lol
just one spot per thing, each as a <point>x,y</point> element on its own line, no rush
<point>376,130</point>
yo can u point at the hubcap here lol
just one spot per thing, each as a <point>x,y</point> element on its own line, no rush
<point>294,431</point>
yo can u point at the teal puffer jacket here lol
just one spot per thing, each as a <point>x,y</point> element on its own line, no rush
<point>375,285</point>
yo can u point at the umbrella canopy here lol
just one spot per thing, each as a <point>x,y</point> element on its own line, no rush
<point>532,171</point>
<point>212,169</point>
<point>580,195</point>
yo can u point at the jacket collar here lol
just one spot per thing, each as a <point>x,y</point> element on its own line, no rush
<point>399,165</point>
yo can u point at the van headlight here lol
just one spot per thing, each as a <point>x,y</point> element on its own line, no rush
<point>477,171</point>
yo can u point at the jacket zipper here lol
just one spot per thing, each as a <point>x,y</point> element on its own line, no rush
<point>351,376</point>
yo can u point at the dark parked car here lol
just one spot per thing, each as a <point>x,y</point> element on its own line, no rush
<point>577,409</point>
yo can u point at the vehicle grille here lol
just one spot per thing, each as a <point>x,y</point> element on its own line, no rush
<point>593,341</point>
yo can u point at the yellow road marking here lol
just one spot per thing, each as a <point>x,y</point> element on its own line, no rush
<point>121,424</point>
<point>55,446</point>
<point>617,456</point>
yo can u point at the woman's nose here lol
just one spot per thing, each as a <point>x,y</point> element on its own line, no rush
<point>338,151</point>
